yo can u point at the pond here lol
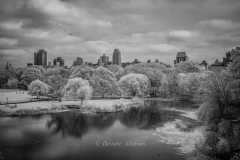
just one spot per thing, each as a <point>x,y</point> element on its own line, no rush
<point>159,130</point>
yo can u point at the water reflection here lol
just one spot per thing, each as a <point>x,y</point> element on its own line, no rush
<point>150,117</point>
<point>77,124</point>
<point>73,134</point>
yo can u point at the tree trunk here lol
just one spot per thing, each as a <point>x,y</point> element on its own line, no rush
<point>60,100</point>
<point>81,103</point>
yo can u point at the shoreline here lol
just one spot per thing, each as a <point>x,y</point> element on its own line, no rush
<point>94,106</point>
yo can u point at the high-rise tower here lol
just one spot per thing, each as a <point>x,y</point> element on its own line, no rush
<point>60,60</point>
<point>104,58</point>
<point>117,57</point>
<point>40,58</point>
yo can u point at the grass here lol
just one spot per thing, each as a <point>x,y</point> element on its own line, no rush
<point>102,105</point>
<point>14,95</point>
<point>96,106</point>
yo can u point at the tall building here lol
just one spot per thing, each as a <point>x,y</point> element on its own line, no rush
<point>117,57</point>
<point>9,66</point>
<point>218,66</point>
<point>60,60</point>
<point>136,61</point>
<point>99,63</point>
<point>40,58</point>
<point>49,64</point>
<point>29,64</point>
<point>78,62</point>
<point>181,57</point>
<point>104,59</point>
<point>227,59</point>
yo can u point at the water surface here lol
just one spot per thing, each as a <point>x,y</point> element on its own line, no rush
<point>146,133</point>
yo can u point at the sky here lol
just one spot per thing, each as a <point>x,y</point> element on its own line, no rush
<point>140,29</point>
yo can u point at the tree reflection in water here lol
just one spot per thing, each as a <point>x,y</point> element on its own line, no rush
<point>77,124</point>
<point>151,116</point>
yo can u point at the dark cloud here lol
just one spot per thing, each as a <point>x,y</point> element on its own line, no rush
<point>139,28</point>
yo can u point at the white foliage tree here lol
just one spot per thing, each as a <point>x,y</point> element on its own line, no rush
<point>153,71</point>
<point>77,89</point>
<point>12,83</point>
<point>188,84</point>
<point>84,72</point>
<point>104,82</point>
<point>189,67</point>
<point>183,84</point>
<point>56,84</point>
<point>134,84</point>
<point>164,87</point>
<point>37,88</point>
<point>116,70</point>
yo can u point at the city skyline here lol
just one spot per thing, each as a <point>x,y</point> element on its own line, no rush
<point>142,29</point>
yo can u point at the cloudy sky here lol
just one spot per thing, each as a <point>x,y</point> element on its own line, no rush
<point>142,29</point>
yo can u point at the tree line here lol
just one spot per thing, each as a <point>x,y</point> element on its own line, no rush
<point>144,79</point>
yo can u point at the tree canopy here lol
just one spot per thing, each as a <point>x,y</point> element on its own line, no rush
<point>134,84</point>
<point>104,82</point>
<point>37,88</point>
<point>77,89</point>
<point>83,71</point>
<point>188,67</point>
<point>31,74</point>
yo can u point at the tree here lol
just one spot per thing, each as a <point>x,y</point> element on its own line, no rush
<point>12,83</point>
<point>56,84</point>
<point>171,82</point>
<point>40,68</point>
<point>37,88</point>
<point>83,71</point>
<point>188,83</point>
<point>134,68</point>
<point>31,74</point>
<point>217,110</point>
<point>65,73</point>
<point>104,82</point>
<point>234,72</point>
<point>188,67</point>
<point>77,89</point>
<point>6,74</point>
<point>56,78</point>
<point>154,71</point>
<point>164,86</point>
<point>220,110</point>
<point>134,84</point>
<point>51,72</point>
<point>115,69</point>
